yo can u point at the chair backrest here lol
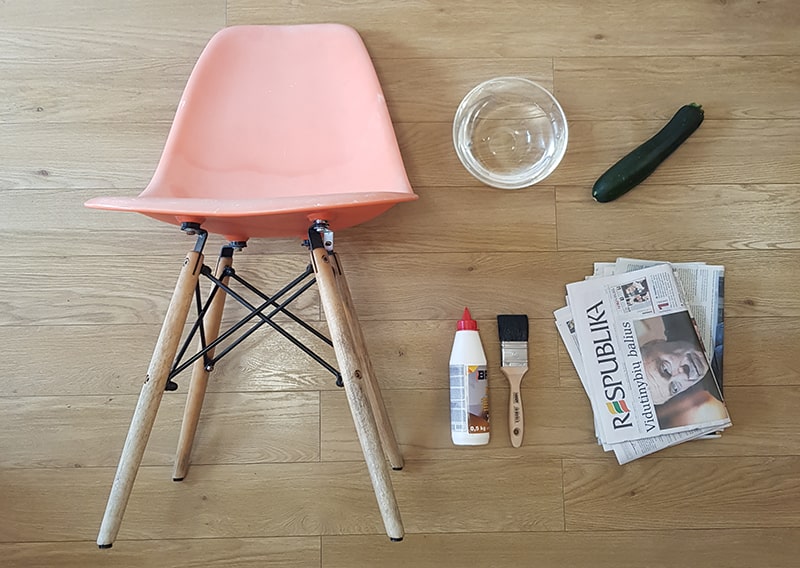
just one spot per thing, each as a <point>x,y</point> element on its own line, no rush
<point>277,111</point>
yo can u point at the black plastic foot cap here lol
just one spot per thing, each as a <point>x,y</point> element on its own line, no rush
<point>104,546</point>
<point>178,478</point>
<point>396,539</point>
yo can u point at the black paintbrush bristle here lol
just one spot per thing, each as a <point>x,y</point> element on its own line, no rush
<point>512,327</point>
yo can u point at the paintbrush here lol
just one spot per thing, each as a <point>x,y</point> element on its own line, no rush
<point>513,331</point>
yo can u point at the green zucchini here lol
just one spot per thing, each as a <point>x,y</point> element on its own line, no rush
<point>632,170</point>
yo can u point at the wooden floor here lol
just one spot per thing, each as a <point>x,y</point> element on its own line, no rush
<point>87,93</point>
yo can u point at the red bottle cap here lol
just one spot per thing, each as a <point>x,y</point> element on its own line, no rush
<point>466,322</point>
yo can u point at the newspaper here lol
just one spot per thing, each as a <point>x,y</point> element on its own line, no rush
<point>707,282</point>
<point>636,412</point>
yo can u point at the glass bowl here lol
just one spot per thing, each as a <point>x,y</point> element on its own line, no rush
<point>510,132</point>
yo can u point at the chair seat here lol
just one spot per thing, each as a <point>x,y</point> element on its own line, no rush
<point>278,125</point>
<point>199,207</point>
<point>242,219</point>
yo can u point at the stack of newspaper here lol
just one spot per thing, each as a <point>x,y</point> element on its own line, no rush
<point>646,340</point>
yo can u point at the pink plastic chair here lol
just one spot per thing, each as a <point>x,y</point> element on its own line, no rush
<point>282,131</point>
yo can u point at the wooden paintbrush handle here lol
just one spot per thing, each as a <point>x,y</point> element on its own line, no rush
<point>516,419</point>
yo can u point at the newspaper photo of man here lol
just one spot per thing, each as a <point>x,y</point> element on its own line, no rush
<point>681,386</point>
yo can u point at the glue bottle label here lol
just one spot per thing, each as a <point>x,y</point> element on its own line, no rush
<point>469,399</point>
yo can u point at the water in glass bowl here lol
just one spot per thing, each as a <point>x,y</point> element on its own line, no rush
<point>510,133</point>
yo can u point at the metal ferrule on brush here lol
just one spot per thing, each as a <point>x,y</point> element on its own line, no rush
<point>514,353</point>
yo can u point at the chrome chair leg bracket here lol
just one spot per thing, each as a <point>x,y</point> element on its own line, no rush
<point>319,235</point>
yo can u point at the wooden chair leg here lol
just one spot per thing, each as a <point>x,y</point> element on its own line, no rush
<point>145,414</point>
<point>388,438</point>
<point>353,375</point>
<point>199,381</point>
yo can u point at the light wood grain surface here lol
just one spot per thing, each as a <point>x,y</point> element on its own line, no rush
<point>87,93</point>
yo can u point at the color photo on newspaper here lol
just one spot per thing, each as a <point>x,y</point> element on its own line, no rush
<point>681,386</point>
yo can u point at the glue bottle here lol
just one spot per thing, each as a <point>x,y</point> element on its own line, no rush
<point>469,386</point>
